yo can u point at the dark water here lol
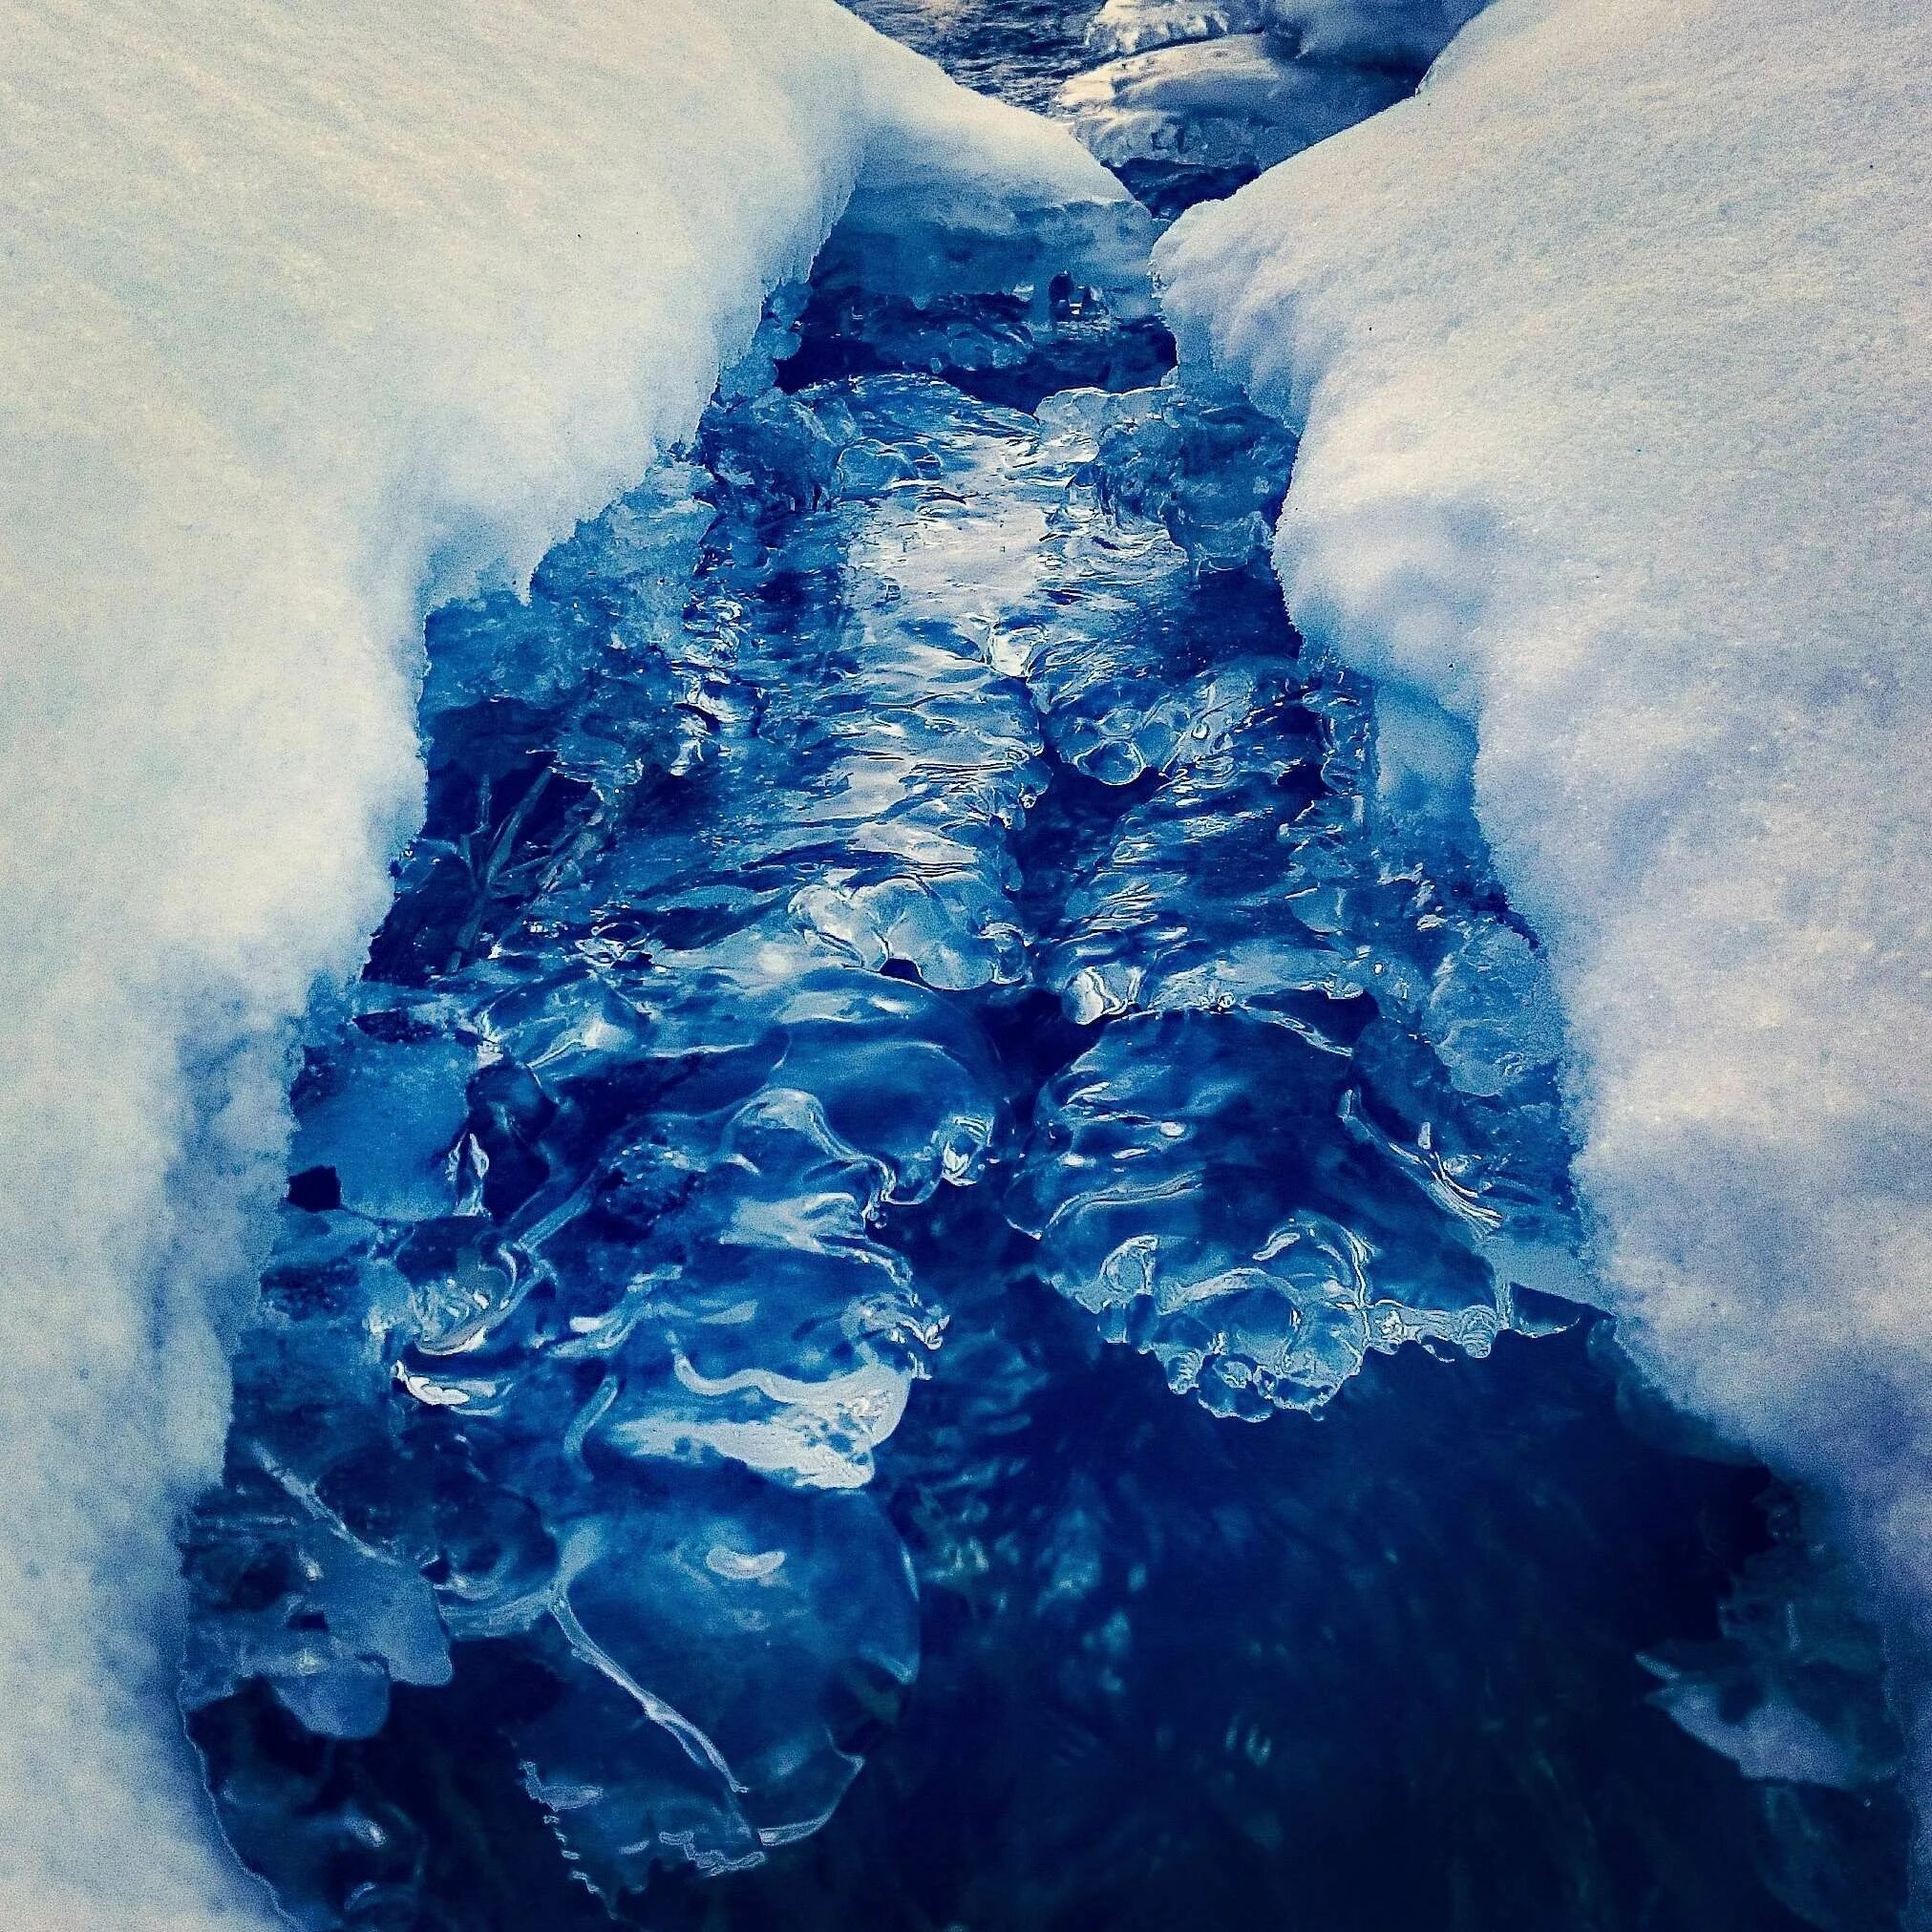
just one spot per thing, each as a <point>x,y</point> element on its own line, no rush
<point>1021,50</point>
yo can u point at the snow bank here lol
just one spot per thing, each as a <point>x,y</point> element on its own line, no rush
<point>307,317</point>
<point>1611,352</point>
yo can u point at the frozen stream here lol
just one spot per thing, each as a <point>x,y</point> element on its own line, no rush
<point>894,921</point>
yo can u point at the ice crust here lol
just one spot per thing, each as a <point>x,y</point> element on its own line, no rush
<point>1607,353</point>
<point>307,319</point>
<point>1391,33</point>
<point>906,794</point>
<point>1191,100</point>
<point>1208,114</point>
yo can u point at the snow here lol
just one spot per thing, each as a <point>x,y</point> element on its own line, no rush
<point>307,318</point>
<point>1609,349</point>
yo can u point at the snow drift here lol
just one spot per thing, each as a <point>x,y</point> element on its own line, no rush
<point>1609,350</point>
<point>307,318</point>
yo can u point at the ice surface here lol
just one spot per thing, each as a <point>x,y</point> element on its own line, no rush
<point>1608,354</point>
<point>633,1335</point>
<point>1215,112</point>
<point>1392,33</point>
<point>741,931</point>
<point>308,319</point>
<point>1192,100</point>
<point>1124,26</point>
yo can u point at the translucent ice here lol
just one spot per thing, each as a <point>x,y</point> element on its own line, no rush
<point>1190,100</point>
<point>1200,117</point>
<point>1123,26</point>
<point>731,939</point>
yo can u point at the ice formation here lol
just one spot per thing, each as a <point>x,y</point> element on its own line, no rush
<point>306,319</point>
<point>1607,352</point>
<point>1396,34</point>
<point>908,794</point>
<point>1192,99</point>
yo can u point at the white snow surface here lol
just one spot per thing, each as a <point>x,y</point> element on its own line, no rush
<point>308,316</point>
<point>1610,349</point>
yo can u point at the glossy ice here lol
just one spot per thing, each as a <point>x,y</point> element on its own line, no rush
<point>709,960</point>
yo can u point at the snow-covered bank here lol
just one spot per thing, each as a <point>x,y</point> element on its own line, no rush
<point>1609,350</point>
<point>307,318</point>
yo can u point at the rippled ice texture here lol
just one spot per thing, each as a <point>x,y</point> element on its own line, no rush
<point>715,951</point>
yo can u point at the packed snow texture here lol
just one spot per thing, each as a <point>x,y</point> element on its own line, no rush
<point>306,317</point>
<point>1609,350</point>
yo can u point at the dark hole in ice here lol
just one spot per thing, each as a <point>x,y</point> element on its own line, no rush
<point>315,1189</point>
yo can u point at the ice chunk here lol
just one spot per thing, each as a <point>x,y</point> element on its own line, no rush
<point>1791,1692</point>
<point>1189,1186</point>
<point>1399,34</point>
<point>1201,116</point>
<point>1124,26</point>
<point>1192,100</point>
<point>750,1627</point>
